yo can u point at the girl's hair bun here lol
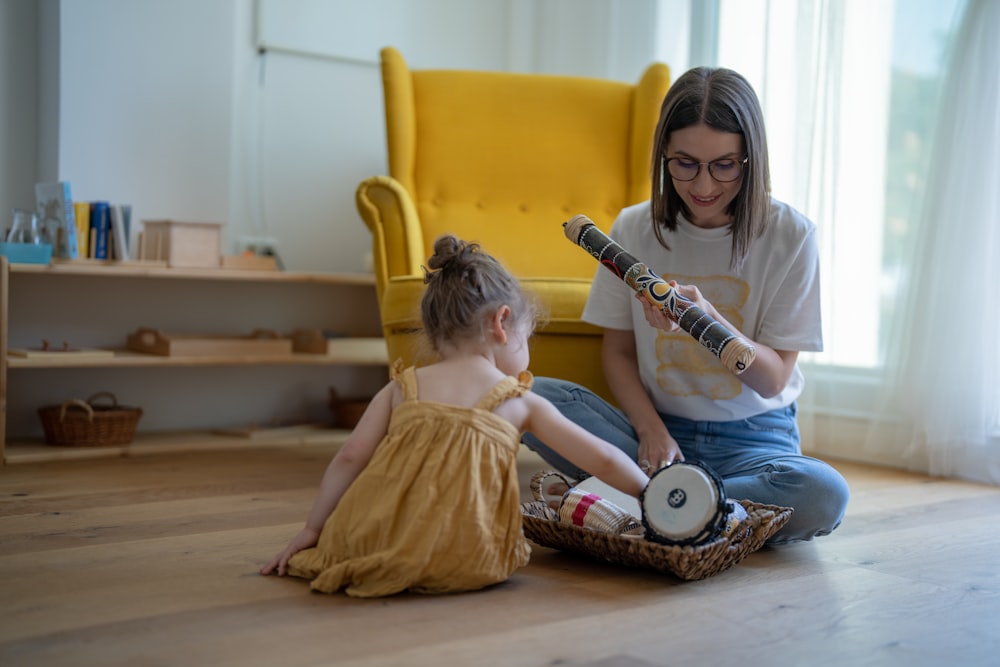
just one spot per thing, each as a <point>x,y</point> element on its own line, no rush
<point>464,286</point>
<point>449,250</point>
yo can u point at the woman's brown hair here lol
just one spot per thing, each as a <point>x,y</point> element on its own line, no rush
<point>723,100</point>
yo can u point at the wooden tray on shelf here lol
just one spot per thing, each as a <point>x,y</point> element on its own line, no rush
<point>314,341</point>
<point>261,342</point>
<point>57,353</point>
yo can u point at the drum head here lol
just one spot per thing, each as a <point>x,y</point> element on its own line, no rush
<point>683,504</point>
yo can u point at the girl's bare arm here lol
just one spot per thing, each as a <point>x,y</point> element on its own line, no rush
<point>345,467</point>
<point>582,448</point>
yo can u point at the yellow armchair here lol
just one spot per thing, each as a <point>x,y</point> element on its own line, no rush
<point>503,159</point>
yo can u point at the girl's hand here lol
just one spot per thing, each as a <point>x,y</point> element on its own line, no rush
<point>658,453</point>
<point>305,539</point>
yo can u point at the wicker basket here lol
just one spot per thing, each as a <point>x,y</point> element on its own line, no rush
<point>542,526</point>
<point>347,411</point>
<point>85,424</point>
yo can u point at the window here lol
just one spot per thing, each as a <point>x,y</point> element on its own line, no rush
<point>848,89</point>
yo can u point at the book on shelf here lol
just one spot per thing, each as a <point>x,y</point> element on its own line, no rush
<point>57,214</point>
<point>121,219</point>
<point>100,229</point>
<point>81,210</point>
<point>104,230</point>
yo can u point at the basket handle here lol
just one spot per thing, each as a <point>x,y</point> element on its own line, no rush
<point>536,483</point>
<point>103,394</point>
<point>77,403</point>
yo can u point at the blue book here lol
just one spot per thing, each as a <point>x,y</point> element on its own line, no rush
<point>57,215</point>
<point>100,229</point>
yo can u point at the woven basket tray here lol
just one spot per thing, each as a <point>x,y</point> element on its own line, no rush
<point>542,526</point>
<point>86,424</point>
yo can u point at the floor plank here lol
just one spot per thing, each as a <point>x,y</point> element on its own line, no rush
<point>153,560</point>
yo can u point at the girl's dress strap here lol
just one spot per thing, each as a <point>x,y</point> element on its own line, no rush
<point>407,379</point>
<point>509,387</point>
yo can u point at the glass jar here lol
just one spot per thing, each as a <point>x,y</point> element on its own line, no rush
<point>26,229</point>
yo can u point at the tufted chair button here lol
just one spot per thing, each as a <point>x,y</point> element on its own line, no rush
<point>523,208</point>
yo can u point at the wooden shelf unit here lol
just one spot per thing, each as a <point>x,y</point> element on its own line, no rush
<point>370,351</point>
<point>145,444</point>
<point>125,296</point>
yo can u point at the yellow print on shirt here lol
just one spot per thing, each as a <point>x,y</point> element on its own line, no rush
<point>685,367</point>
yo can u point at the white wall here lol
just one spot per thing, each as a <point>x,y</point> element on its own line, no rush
<point>167,104</point>
<point>145,111</point>
<point>18,106</point>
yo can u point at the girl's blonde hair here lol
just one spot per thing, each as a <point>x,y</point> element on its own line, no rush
<point>465,286</point>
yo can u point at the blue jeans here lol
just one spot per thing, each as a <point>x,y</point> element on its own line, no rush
<point>759,459</point>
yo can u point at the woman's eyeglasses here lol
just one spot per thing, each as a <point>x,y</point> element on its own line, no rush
<point>724,171</point>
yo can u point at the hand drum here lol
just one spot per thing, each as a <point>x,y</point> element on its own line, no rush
<point>684,504</point>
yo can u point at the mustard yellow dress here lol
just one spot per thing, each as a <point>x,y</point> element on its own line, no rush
<point>437,509</point>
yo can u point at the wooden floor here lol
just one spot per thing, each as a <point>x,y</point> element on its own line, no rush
<point>153,561</point>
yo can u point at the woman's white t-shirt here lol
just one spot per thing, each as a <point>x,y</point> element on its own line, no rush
<point>774,299</point>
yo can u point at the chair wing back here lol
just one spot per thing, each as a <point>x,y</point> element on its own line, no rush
<point>503,159</point>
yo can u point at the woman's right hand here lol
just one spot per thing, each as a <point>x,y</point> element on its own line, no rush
<point>279,564</point>
<point>665,320</point>
<point>656,317</point>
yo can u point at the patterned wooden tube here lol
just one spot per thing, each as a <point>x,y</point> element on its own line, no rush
<point>734,352</point>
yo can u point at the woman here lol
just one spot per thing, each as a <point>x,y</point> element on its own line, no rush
<point>748,260</point>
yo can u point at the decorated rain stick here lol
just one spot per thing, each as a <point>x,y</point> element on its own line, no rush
<point>735,353</point>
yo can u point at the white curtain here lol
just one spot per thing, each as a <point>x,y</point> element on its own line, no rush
<point>911,369</point>
<point>822,70</point>
<point>940,393</point>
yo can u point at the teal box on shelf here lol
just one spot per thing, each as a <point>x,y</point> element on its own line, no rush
<point>27,253</point>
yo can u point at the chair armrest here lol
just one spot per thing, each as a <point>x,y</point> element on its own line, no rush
<point>397,244</point>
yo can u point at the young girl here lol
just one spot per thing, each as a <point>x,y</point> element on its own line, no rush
<point>424,494</point>
<point>750,261</point>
